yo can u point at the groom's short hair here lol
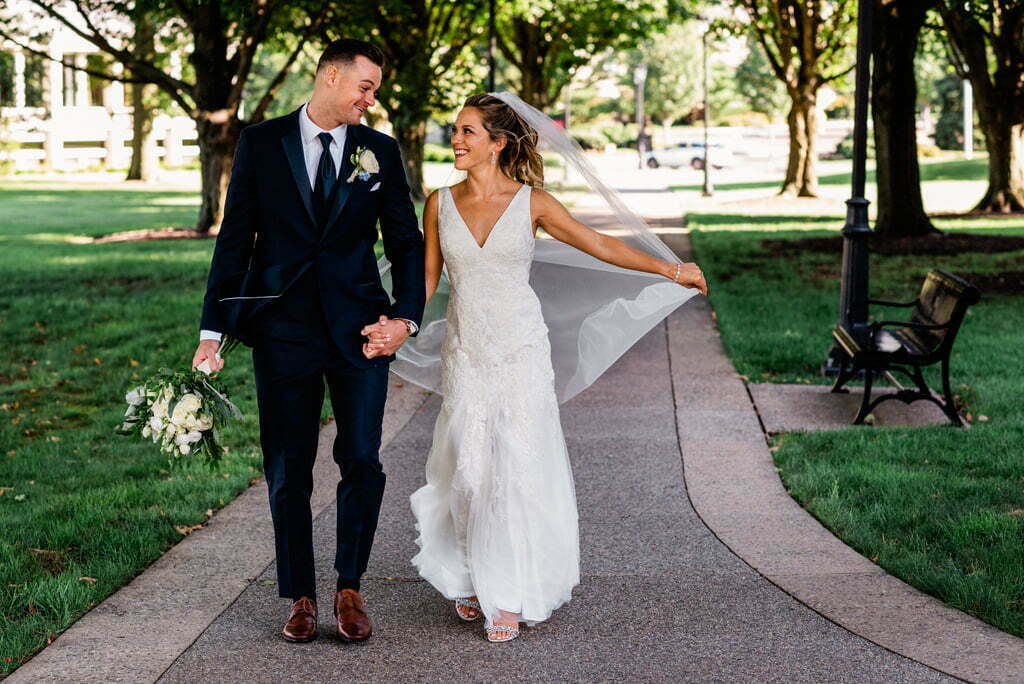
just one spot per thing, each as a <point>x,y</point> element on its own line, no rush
<point>345,50</point>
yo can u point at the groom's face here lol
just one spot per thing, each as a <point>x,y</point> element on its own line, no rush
<point>352,88</point>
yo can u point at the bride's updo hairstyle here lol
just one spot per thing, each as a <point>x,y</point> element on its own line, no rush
<point>519,159</point>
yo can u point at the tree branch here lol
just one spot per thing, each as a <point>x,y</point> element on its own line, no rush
<point>760,33</point>
<point>248,43</point>
<point>145,70</point>
<point>261,107</point>
<point>71,65</point>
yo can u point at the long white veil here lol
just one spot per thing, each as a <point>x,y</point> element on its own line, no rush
<point>594,311</point>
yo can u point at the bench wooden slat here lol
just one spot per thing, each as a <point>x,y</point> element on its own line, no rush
<point>927,338</point>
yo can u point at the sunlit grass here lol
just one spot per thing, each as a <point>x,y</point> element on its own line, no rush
<point>941,508</point>
<point>80,324</point>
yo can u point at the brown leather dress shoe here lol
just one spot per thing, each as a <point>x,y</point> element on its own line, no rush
<point>301,625</point>
<point>353,622</point>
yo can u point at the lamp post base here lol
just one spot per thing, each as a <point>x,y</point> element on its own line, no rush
<point>833,361</point>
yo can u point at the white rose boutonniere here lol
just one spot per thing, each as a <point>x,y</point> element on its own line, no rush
<point>365,163</point>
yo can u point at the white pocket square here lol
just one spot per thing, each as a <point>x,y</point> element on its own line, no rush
<point>376,186</point>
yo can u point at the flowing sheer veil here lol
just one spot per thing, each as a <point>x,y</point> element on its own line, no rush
<point>594,311</point>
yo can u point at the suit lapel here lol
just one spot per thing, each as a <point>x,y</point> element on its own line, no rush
<point>292,142</point>
<point>343,188</point>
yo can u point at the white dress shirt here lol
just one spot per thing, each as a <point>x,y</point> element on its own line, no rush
<point>312,148</point>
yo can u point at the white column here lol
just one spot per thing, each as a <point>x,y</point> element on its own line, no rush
<point>53,146</point>
<point>55,81</point>
<point>82,94</point>
<point>968,120</point>
<point>19,78</point>
<point>113,93</point>
<point>173,153</point>
<point>112,143</point>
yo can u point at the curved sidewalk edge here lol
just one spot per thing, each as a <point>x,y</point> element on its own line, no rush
<point>733,485</point>
<point>139,631</point>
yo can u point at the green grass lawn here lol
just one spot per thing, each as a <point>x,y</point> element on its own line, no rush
<point>941,508</point>
<point>84,510</point>
<point>955,170</point>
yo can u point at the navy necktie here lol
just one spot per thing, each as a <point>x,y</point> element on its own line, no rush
<point>326,175</point>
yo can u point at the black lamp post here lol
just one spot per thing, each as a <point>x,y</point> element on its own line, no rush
<point>853,293</point>
<point>709,188</point>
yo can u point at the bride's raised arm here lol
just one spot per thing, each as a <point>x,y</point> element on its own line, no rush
<point>432,257</point>
<point>549,213</point>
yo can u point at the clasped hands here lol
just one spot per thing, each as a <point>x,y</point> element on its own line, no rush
<point>385,337</point>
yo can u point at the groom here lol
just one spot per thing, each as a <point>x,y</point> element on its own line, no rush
<point>295,277</point>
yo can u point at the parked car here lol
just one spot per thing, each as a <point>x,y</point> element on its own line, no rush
<point>689,154</point>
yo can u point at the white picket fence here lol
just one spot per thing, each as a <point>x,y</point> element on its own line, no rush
<point>81,137</point>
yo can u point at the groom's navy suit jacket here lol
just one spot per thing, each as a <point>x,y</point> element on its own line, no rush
<point>277,272</point>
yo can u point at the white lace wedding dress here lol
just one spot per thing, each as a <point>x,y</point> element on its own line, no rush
<point>497,517</point>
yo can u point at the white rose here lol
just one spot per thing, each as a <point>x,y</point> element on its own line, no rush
<point>184,449</point>
<point>147,431</point>
<point>194,436</point>
<point>160,409</point>
<point>205,421</point>
<point>136,396</point>
<point>156,423</point>
<point>368,161</point>
<point>188,404</point>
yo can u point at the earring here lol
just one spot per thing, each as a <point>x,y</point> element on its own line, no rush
<point>493,158</point>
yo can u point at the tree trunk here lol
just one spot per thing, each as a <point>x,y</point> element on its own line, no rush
<point>411,136</point>
<point>217,142</point>
<point>897,26</point>
<point>144,160</point>
<point>1005,155</point>
<point>801,172</point>
<point>529,60</point>
<point>216,114</point>
<point>996,96</point>
<point>533,90</point>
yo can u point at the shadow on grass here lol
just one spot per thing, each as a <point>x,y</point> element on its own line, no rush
<point>711,220</point>
<point>94,212</point>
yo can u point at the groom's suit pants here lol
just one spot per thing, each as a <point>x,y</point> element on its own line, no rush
<point>290,374</point>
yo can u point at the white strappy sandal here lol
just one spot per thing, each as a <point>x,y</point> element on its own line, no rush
<point>462,603</point>
<point>508,631</point>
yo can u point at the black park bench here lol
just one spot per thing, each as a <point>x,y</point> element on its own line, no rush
<point>908,346</point>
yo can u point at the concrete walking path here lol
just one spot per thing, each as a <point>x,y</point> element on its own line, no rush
<point>681,575</point>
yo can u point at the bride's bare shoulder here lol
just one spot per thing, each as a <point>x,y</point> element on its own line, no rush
<point>432,199</point>
<point>544,203</point>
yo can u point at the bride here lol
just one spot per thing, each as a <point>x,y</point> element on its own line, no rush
<point>497,518</point>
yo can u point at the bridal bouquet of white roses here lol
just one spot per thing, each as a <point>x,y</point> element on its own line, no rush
<point>182,412</point>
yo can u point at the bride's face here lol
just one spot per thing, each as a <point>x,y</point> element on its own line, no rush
<point>471,142</point>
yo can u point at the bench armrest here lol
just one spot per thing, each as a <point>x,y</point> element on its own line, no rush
<point>875,326</point>
<point>882,302</point>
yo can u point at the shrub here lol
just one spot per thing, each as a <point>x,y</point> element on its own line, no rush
<point>432,152</point>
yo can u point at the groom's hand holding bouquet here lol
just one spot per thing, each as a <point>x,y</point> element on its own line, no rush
<point>183,410</point>
<point>207,353</point>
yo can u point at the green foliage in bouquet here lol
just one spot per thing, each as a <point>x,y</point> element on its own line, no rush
<point>182,411</point>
